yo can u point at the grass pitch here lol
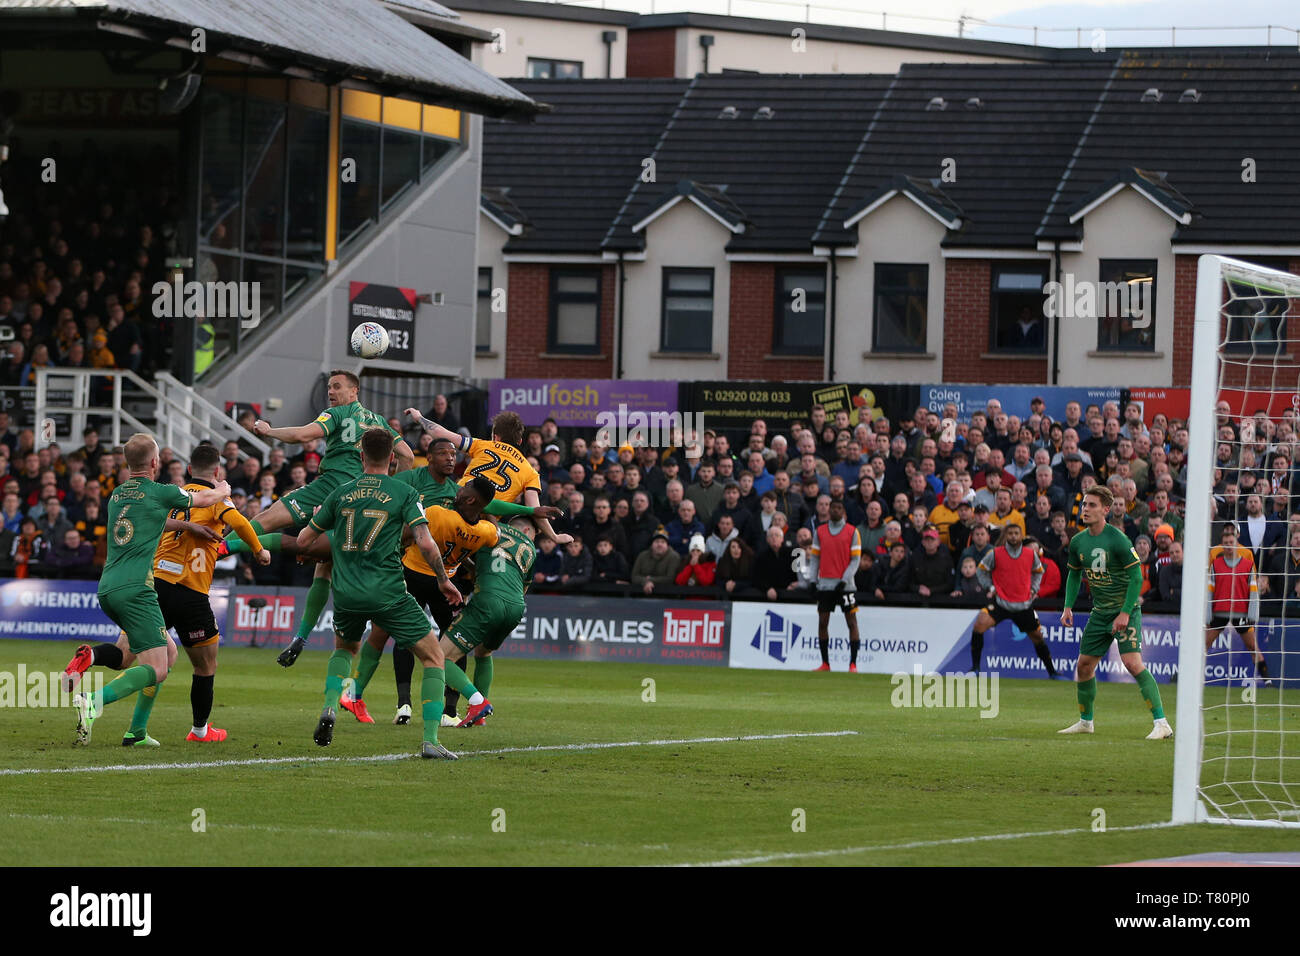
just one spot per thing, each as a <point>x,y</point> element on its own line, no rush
<point>909,786</point>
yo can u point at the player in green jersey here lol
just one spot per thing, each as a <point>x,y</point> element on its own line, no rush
<point>341,425</point>
<point>367,516</point>
<point>496,607</point>
<point>138,511</point>
<point>1104,556</point>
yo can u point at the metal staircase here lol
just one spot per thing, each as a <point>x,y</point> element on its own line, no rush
<point>175,414</point>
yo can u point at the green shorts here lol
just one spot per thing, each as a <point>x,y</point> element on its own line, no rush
<point>1098,635</point>
<point>487,620</point>
<point>136,611</point>
<point>303,502</point>
<point>403,620</point>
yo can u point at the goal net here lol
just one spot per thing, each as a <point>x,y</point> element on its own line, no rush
<point>1237,748</point>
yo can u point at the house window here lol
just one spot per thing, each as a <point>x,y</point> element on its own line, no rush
<point>687,320</point>
<point>483,318</point>
<point>1016,312</point>
<point>900,307</point>
<point>575,311</point>
<point>554,69</point>
<point>800,312</point>
<point>1256,323</point>
<point>1126,305</point>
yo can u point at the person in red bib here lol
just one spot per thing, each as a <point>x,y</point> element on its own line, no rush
<point>1234,597</point>
<point>833,563</point>
<point>1011,574</point>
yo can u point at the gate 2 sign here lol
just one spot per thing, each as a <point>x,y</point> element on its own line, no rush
<point>391,307</point>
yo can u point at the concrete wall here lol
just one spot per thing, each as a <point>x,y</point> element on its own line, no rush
<point>428,245</point>
<point>549,39</point>
<point>491,240</point>
<point>1127,226</point>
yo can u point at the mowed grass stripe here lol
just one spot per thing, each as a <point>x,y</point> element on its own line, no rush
<point>384,758</point>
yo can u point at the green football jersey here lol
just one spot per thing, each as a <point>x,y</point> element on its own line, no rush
<point>1105,560</point>
<point>431,490</point>
<point>509,572</point>
<point>138,511</point>
<point>344,425</point>
<point>367,516</point>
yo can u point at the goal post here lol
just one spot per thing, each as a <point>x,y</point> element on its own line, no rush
<point>1236,754</point>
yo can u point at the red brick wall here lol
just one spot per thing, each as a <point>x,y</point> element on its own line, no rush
<point>528,317</point>
<point>1184,317</point>
<point>966,302</point>
<point>652,52</point>
<point>750,330</point>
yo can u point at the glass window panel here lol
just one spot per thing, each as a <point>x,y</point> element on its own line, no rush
<point>483,318</point>
<point>577,283</point>
<point>359,200</point>
<point>401,162</point>
<point>576,324</point>
<point>900,308</point>
<point>1016,322</point>
<point>264,159</point>
<point>800,330</point>
<point>435,149</point>
<point>308,184</point>
<point>1126,304</point>
<point>222,194</point>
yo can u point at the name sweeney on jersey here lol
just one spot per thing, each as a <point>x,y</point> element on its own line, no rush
<point>356,494</point>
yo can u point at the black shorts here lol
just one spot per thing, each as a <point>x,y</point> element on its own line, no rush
<point>1238,623</point>
<point>845,600</point>
<point>424,588</point>
<point>1026,620</point>
<point>188,612</point>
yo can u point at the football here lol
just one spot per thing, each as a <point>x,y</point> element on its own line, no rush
<point>369,340</point>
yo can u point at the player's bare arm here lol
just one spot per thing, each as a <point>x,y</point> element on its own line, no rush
<point>424,541</point>
<point>210,496</point>
<point>534,501</point>
<point>405,457</point>
<point>433,428</point>
<point>291,434</point>
<point>202,532</point>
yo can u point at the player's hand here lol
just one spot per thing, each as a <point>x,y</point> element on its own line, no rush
<point>563,539</point>
<point>417,416</point>
<point>223,487</point>
<point>261,428</point>
<point>202,532</point>
<point>839,586</point>
<point>548,512</point>
<point>1121,622</point>
<point>1067,617</point>
<point>263,557</point>
<point>449,591</point>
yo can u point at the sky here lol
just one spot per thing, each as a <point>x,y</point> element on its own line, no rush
<point>1000,19</point>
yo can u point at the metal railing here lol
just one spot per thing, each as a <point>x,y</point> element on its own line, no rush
<point>182,418</point>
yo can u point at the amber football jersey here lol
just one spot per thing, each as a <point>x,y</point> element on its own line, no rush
<point>182,558</point>
<point>504,466</point>
<point>454,537</point>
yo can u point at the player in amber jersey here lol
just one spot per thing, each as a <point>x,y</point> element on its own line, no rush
<point>183,566</point>
<point>499,462</point>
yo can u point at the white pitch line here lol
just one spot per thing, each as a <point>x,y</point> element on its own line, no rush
<point>381,758</point>
<point>918,844</point>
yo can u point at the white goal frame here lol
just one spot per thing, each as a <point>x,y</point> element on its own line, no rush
<point>1212,270</point>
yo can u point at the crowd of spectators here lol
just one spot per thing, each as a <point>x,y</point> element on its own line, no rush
<point>736,518</point>
<point>77,270</point>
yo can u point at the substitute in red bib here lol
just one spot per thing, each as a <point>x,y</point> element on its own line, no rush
<point>833,562</point>
<point>1011,574</point>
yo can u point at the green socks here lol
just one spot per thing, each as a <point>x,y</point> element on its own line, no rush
<point>366,665</point>
<point>1151,694</point>
<point>1087,691</point>
<point>456,678</point>
<point>431,701</point>
<point>340,666</point>
<point>272,541</point>
<point>317,595</point>
<point>143,708</point>
<point>482,674</point>
<point>131,680</point>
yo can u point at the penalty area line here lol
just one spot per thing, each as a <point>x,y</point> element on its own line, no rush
<point>917,845</point>
<point>384,758</point>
